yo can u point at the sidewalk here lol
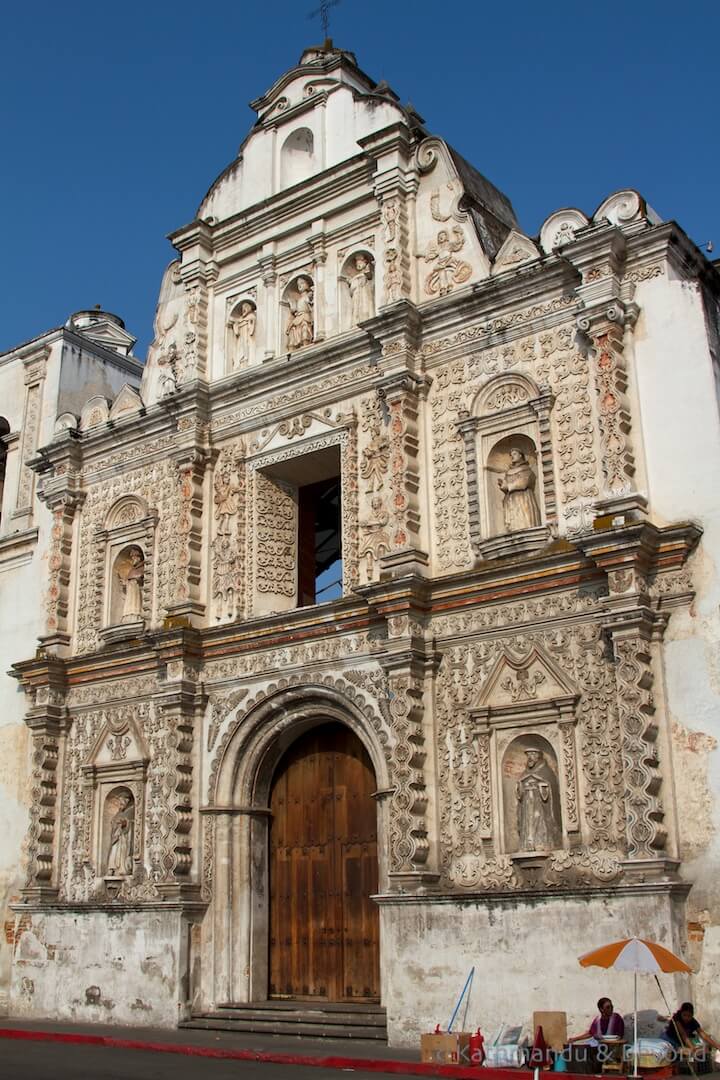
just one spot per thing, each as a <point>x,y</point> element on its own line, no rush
<point>342,1054</point>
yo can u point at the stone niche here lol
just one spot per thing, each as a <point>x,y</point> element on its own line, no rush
<point>524,725</point>
<point>298,326</point>
<point>115,778</point>
<point>125,562</point>
<point>241,333</point>
<point>510,475</point>
<point>357,300</point>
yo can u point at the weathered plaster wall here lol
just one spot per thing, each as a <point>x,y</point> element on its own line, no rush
<point>124,968</point>
<point>23,570</point>
<point>520,963</point>
<point>82,378</point>
<point>677,388</point>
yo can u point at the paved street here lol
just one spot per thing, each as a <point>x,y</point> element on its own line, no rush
<point>58,1061</point>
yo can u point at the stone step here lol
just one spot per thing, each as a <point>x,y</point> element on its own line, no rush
<point>277,1026</point>
<point>335,1020</point>
<point>360,1008</point>
<point>298,1016</point>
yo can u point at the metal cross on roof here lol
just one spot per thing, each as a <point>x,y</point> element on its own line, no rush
<point>323,11</point>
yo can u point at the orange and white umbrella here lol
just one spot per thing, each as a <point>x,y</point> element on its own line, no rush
<point>634,954</point>
<point>638,956</point>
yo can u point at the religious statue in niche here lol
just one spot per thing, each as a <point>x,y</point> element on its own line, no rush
<point>300,329</point>
<point>538,820</point>
<point>360,283</point>
<point>119,861</point>
<point>376,541</point>
<point>242,326</point>
<point>520,508</point>
<point>448,270</point>
<point>130,574</point>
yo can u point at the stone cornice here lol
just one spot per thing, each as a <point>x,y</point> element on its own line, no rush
<point>530,897</point>
<point>271,213</point>
<point>562,566</point>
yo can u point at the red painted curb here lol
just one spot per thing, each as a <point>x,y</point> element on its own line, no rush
<point>401,1068</point>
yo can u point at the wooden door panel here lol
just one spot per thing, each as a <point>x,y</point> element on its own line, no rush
<point>323,870</point>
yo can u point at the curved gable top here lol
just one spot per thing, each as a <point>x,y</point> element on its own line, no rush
<point>327,95</point>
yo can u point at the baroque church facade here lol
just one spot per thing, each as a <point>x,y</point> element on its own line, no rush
<point>372,625</point>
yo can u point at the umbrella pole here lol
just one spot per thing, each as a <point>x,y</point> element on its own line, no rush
<point>635,1047</point>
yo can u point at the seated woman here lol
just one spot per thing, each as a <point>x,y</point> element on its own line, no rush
<point>685,1032</point>
<point>607,1024</point>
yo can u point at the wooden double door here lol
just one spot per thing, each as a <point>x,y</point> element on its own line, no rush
<point>324,941</point>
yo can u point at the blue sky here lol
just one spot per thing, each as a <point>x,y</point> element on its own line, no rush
<point>115,119</point>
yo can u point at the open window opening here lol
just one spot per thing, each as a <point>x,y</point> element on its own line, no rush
<point>320,568</point>
<point>298,534</point>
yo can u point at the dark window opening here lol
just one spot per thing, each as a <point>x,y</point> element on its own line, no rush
<point>319,542</point>
<point>4,431</point>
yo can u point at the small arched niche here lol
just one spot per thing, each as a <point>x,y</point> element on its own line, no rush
<point>297,157</point>
<point>118,833</point>
<point>357,289</point>
<point>531,796</point>
<point>514,501</point>
<point>241,334</point>
<point>127,580</point>
<point>510,472</point>
<point>299,305</point>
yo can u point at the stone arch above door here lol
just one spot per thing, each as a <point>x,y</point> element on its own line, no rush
<point>237,816</point>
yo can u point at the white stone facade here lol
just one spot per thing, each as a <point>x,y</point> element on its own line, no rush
<point>526,436</point>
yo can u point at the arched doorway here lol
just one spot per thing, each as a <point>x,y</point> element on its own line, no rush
<point>324,940</point>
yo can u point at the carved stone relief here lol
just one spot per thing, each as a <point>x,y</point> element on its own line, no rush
<point>447,270</point>
<point>158,485</point>
<point>228,546</point>
<point>473,854</point>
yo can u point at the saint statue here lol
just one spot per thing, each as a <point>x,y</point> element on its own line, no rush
<point>520,508</point>
<point>243,328</point>
<point>361,290</point>
<point>300,328</point>
<point>119,859</point>
<point>131,583</point>
<point>448,270</point>
<point>227,500</point>
<point>168,365</point>
<point>375,459</point>
<point>393,279</point>
<point>538,819</point>
<point>376,541</point>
